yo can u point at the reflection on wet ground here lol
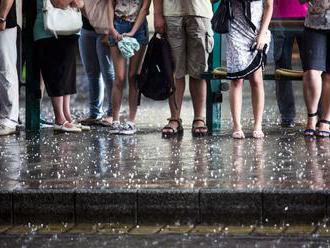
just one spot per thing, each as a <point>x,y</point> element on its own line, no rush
<point>284,160</point>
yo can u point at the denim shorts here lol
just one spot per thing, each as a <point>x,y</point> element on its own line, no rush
<point>122,26</point>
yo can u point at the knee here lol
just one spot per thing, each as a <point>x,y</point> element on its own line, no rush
<point>131,77</point>
<point>312,75</point>
<point>119,83</point>
<point>256,83</point>
<point>237,83</point>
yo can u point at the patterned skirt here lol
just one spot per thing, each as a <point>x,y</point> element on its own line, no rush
<point>242,57</point>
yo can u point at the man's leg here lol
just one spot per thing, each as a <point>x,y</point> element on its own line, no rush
<point>284,91</point>
<point>9,107</point>
<point>198,95</point>
<point>177,39</point>
<point>199,46</point>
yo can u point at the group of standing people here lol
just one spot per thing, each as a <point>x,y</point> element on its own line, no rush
<point>187,24</point>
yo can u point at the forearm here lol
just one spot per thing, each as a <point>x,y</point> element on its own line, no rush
<point>267,16</point>
<point>5,7</point>
<point>144,11</point>
<point>112,15</point>
<point>158,7</point>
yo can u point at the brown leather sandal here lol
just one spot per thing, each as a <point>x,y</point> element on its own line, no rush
<point>169,132</point>
<point>199,131</point>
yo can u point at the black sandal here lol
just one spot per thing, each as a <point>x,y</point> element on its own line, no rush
<point>199,131</point>
<point>169,132</point>
<point>326,132</point>
<point>310,132</point>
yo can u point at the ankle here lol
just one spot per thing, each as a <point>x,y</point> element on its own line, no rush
<point>237,127</point>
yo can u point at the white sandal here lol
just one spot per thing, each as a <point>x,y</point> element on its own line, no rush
<point>63,129</point>
<point>238,135</point>
<point>258,134</point>
<point>81,126</point>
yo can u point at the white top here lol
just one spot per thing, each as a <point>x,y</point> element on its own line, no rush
<point>202,8</point>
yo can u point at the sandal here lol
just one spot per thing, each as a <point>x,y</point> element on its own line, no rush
<point>238,135</point>
<point>325,132</point>
<point>310,132</point>
<point>62,128</point>
<point>168,131</point>
<point>199,131</point>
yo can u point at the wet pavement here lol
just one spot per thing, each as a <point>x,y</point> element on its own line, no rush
<point>98,177</point>
<point>193,241</point>
<point>98,160</point>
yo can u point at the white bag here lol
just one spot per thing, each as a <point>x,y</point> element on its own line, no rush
<point>61,21</point>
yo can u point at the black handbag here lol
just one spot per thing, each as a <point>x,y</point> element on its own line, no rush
<point>222,17</point>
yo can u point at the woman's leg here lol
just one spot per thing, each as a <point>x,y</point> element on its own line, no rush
<point>134,68</point>
<point>60,118</point>
<point>312,95</point>
<point>117,89</point>
<point>235,97</point>
<point>258,98</point>
<point>325,101</point>
<point>66,108</point>
<point>89,54</point>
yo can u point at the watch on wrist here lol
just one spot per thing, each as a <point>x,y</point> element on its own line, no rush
<point>2,20</point>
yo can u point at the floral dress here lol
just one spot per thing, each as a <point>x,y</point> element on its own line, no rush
<point>242,58</point>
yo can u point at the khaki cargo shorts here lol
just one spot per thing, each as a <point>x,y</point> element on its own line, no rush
<point>191,39</point>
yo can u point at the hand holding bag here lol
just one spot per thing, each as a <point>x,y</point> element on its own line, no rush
<point>98,14</point>
<point>61,21</point>
<point>222,17</point>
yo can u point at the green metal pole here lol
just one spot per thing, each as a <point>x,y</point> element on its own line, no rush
<point>214,96</point>
<point>33,93</point>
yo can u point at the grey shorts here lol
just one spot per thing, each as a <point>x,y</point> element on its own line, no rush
<point>315,54</point>
<point>191,40</point>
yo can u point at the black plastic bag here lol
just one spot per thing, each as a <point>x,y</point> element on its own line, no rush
<point>222,17</point>
<point>156,80</point>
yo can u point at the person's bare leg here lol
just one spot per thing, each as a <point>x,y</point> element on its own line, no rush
<point>235,99</point>
<point>134,68</point>
<point>118,85</point>
<point>325,100</point>
<point>175,109</point>
<point>198,95</point>
<point>66,108</point>
<point>312,95</point>
<point>60,118</point>
<point>258,102</point>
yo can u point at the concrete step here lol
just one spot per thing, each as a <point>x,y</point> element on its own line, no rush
<point>164,206</point>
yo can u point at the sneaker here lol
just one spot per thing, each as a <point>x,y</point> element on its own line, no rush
<point>114,128</point>
<point>4,130</point>
<point>90,121</point>
<point>127,128</point>
<point>288,123</point>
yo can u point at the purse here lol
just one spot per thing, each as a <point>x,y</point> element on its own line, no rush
<point>222,17</point>
<point>98,14</point>
<point>61,21</point>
